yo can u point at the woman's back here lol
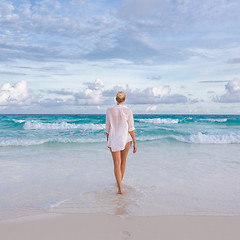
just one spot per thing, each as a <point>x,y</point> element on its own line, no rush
<point>119,122</point>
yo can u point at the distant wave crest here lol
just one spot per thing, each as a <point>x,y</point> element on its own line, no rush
<point>37,125</point>
<point>18,121</point>
<point>175,121</point>
<point>159,120</point>
<point>214,120</point>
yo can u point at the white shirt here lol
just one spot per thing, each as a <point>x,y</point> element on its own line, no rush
<point>119,122</point>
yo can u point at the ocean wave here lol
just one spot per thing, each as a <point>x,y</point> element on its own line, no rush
<point>58,203</point>
<point>199,138</point>
<point>34,142</point>
<point>209,139</point>
<point>18,121</point>
<point>20,142</point>
<point>214,120</point>
<point>149,138</point>
<point>37,125</point>
<point>158,120</point>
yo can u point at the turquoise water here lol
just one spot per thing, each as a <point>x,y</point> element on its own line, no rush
<point>26,130</point>
<point>60,163</point>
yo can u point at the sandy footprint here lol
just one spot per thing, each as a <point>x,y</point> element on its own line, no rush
<point>126,235</point>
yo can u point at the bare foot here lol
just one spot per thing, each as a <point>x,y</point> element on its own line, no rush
<point>120,192</point>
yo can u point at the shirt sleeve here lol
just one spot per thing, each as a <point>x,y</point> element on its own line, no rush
<point>107,122</point>
<point>130,122</point>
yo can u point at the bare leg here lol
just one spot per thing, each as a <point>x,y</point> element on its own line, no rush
<point>117,169</point>
<point>124,154</point>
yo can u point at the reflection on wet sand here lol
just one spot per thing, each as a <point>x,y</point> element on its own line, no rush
<point>107,201</point>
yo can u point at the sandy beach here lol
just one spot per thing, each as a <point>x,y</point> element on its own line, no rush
<point>103,226</point>
<point>183,184</point>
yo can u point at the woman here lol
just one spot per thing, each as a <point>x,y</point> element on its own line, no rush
<point>120,132</point>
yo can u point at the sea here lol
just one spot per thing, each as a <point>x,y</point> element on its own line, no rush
<point>185,165</point>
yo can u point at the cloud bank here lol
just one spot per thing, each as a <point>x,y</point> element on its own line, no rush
<point>232,94</point>
<point>93,95</point>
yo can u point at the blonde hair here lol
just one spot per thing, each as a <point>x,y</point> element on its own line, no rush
<point>120,97</point>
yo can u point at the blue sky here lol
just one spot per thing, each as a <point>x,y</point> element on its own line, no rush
<point>178,56</point>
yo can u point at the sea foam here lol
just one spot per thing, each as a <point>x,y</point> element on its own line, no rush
<point>20,142</point>
<point>32,142</point>
<point>210,138</point>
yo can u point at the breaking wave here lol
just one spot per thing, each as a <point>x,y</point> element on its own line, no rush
<point>214,120</point>
<point>37,125</point>
<point>159,120</point>
<point>209,138</point>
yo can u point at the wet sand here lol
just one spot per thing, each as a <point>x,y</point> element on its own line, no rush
<point>104,226</point>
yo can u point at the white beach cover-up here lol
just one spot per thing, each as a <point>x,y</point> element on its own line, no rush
<point>119,122</point>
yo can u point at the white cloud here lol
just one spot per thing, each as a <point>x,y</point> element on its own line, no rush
<point>232,94</point>
<point>97,85</point>
<point>233,86</point>
<point>151,108</point>
<point>92,95</point>
<point>158,91</point>
<point>15,95</point>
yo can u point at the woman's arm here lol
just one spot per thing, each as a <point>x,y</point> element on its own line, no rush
<point>132,133</point>
<point>131,130</point>
<point>107,124</point>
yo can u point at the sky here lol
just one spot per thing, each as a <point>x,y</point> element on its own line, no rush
<point>169,56</point>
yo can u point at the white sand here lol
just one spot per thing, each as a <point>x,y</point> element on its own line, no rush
<point>103,226</point>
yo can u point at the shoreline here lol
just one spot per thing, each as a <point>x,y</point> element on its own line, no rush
<point>106,226</point>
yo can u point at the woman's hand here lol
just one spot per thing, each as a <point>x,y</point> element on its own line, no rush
<point>132,133</point>
<point>134,148</point>
<point>107,135</point>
